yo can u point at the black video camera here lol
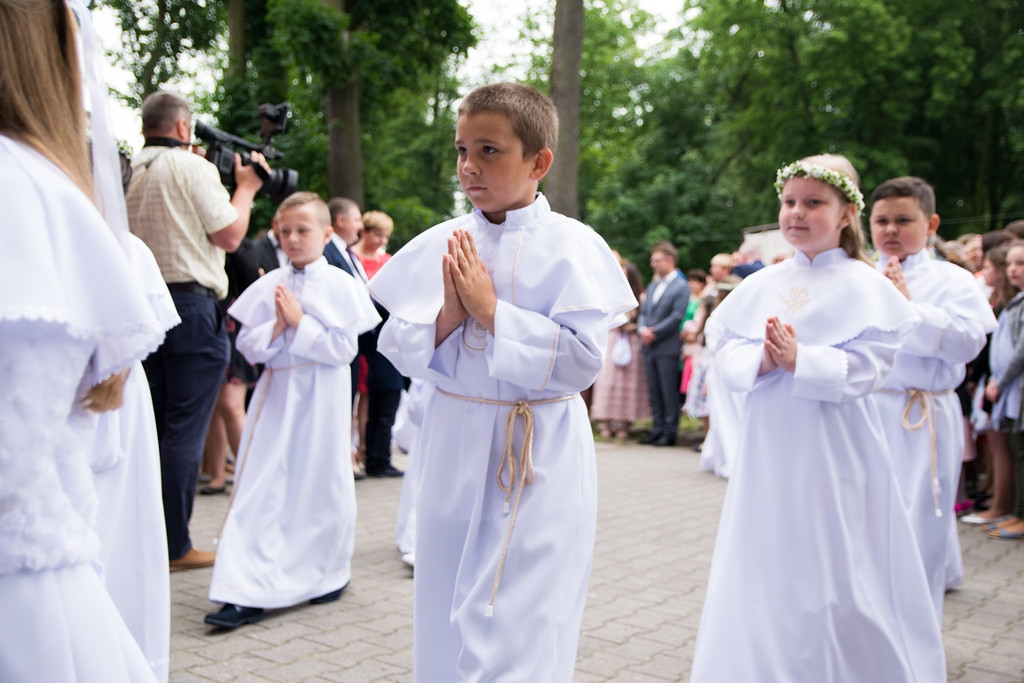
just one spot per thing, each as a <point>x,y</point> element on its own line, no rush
<point>278,183</point>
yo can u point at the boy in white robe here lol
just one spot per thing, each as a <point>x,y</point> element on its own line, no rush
<point>508,310</point>
<point>290,532</point>
<point>921,413</point>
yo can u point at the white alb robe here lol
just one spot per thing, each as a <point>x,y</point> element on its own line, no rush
<point>559,289</point>
<point>130,520</point>
<point>955,319</point>
<point>414,406</point>
<point>816,576</point>
<point>290,532</point>
<point>71,315</point>
<point>725,415</point>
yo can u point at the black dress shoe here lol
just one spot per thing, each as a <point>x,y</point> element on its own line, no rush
<point>328,597</point>
<point>650,438</point>
<point>389,471</point>
<point>666,440</point>
<point>233,616</point>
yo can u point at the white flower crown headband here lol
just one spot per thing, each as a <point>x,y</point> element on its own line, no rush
<point>840,181</point>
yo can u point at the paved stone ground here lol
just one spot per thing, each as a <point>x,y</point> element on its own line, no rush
<point>658,518</point>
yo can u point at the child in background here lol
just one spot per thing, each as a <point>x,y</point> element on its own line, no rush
<point>826,585</point>
<point>921,413</point>
<point>290,532</point>
<point>508,309</point>
<point>993,444</point>
<point>1006,390</point>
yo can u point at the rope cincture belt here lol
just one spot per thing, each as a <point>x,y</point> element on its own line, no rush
<point>520,409</point>
<point>925,402</point>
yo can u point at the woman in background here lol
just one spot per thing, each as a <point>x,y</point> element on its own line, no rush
<point>620,391</point>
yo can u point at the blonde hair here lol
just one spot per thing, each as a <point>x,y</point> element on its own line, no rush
<point>378,220</point>
<point>531,114</point>
<point>851,239</point>
<point>318,205</point>
<point>40,85</point>
<point>723,260</point>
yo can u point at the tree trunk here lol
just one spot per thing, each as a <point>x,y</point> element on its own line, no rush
<point>561,184</point>
<point>345,160</point>
<point>236,40</point>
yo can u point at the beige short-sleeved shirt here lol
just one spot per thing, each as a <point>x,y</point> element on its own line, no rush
<point>175,201</point>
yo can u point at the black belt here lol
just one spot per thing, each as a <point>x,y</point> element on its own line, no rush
<point>191,288</point>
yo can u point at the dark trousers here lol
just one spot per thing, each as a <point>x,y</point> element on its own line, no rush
<point>382,408</point>
<point>663,386</point>
<point>185,374</point>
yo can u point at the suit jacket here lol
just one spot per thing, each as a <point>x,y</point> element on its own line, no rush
<point>265,254</point>
<point>745,269</point>
<point>665,317</point>
<point>382,375</point>
<point>334,257</point>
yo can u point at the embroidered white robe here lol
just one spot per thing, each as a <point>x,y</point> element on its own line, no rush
<point>815,575</point>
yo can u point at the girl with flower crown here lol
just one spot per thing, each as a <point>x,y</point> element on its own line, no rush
<point>815,575</point>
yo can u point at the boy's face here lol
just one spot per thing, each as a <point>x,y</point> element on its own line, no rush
<point>492,170</point>
<point>301,234</point>
<point>899,227</point>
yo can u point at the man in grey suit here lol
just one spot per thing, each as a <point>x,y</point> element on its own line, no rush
<point>661,314</point>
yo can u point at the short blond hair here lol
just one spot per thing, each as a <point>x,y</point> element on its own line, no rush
<point>531,114</point>
<point>723,260</point>
<point>378,220</point>
<point>296,199</point>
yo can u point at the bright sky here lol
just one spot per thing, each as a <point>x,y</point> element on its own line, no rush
<point>500,23</point>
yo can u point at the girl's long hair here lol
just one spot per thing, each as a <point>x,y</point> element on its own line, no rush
<point>40,84</point>
<point>41,106</point>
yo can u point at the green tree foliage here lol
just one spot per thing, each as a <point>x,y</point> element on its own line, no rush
<point>401,56</point>
<point>161,37</point>
<point>903,86</point>
<point>616,102</point>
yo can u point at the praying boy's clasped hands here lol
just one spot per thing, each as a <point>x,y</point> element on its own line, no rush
<point>288,309</point>
<point>779,347</point>
<point>468,289</point>
<point>894,271</point>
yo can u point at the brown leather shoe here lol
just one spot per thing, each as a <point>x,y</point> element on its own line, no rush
<point>193,559</point>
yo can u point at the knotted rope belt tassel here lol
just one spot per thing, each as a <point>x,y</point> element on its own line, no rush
<point>519,475</point>
<point>925,402</point>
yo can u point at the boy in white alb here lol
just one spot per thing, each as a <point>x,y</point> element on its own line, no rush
<point>921,413</point>
<point>290,533</point>
<point>508,310</point>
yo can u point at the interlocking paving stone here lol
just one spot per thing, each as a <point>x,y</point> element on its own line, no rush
<point>657,521</point>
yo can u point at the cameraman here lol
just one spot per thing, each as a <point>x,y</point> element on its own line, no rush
<point>178,207</point>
